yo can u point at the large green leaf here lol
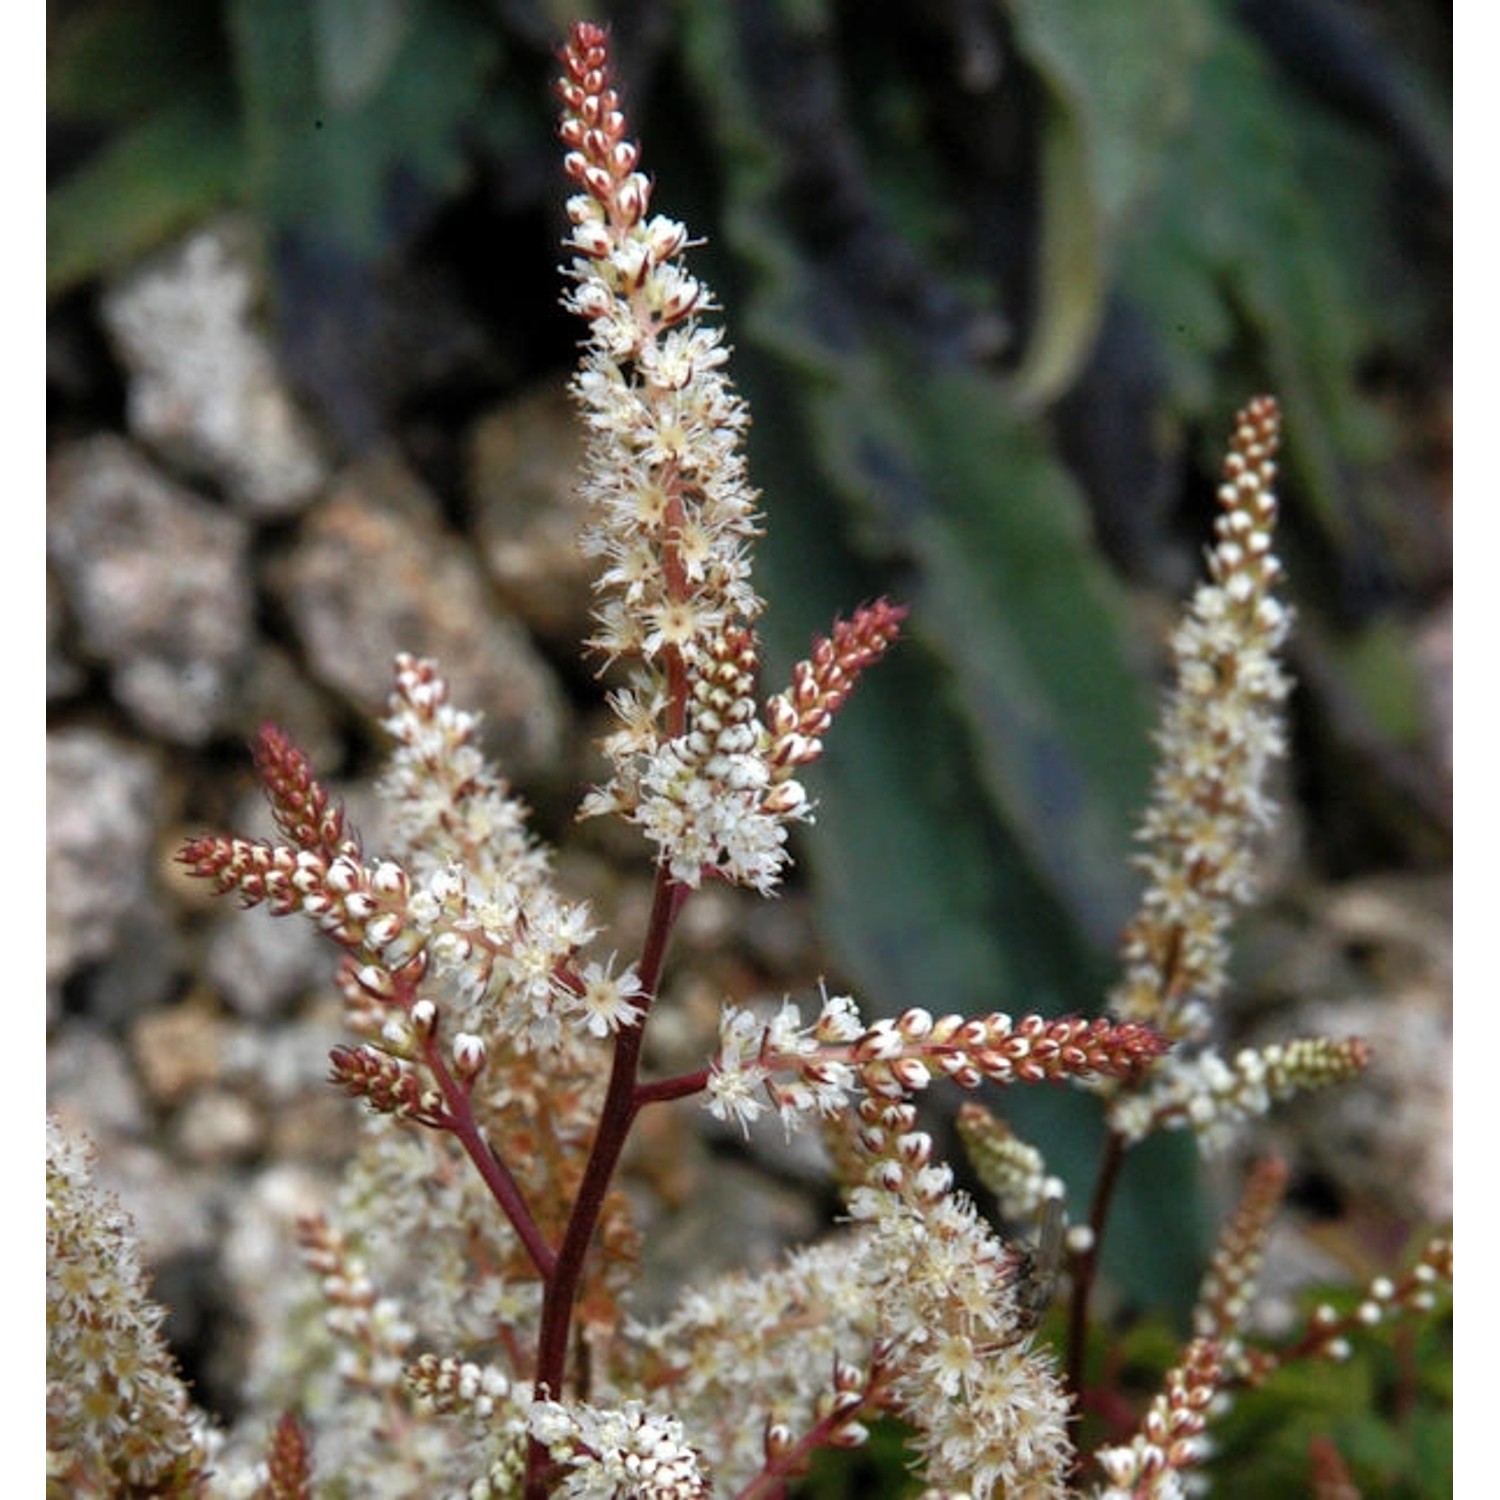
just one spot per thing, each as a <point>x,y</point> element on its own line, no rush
<point>1260,246</point>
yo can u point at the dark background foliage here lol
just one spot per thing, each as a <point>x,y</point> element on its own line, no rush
<point>997,276</point>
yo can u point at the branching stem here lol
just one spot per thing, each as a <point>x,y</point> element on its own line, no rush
<point>621,1102</point>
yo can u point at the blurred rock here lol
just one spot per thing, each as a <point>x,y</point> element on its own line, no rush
<point>276,691</point>
<point>373,573</point>
<point>158,580</point>
<point>523,464</point>
<point>285,1069</point>
<point>1378,964</point>
<point>203,388</point>
<point>261,965</point>
<point>89,1078</point>
<point>179,1050</point>
<point>217,1127</point>
<point>101,797</point>
<point>65,676</point>
<point>141,970</point>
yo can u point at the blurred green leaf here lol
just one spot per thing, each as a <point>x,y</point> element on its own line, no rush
<point>1260,242</point>
<point>335,134</point>
<point>121,59</point>
<point>1118,91</point>
<point>153,180</point>
<point>1381,669</point>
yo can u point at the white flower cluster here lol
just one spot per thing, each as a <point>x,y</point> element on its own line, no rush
<point>480,891</point>
<point>119,1419</point>
<point>672,520</point>
<point>1201,1091</point>
<point>750,1352</point>
<point>628,1453</point>
<point>990,1409</point>
<point>753,1048</point>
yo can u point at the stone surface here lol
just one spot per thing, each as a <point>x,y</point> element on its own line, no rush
<point>179,1050</point>
<point>88,1073</point>
<point>1376,962</point>
<point>523,462</point>
<point>203,388</point>
<point>101,803</point>
<point>260,965</point>
<point>374,573</point>
<point>158,580</point>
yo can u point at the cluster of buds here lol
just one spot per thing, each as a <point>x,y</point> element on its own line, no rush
<point>1229,1285</point>
<point>901,1055</point>
<point>1214,1098</point>
<point>361,907</point>
<point>1170,1440</point>
<point>389,1085</point>
<point>827,1061</point>
<point>302,808</point>
<point>289,1467</point>
<point>798,717</point>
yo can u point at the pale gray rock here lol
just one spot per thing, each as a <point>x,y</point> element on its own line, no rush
<point>261,965</point>
<point>217,1127</point>
<point>142,969</point>
<point>101,801</point>
<point>203,389</point>
<point>373,573</point>
<point>158,581</point>
<point>89,1076</point>
<point>523,465</point>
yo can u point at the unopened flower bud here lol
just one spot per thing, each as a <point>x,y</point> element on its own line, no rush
<point>468,1055</point>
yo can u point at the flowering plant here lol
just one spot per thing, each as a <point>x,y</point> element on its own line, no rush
<point>499,1050</point>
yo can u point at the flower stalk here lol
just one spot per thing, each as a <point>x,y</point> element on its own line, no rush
<point>480,1010</point>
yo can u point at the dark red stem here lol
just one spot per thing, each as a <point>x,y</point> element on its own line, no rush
<point>497,1176</point>
<point>680,1087</point>
<point>1086,1265</point>
<point>616,1118</point>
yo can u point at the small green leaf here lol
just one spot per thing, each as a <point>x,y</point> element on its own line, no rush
<point>334,134</point>
<point>152,181</point>
<point>123,59</point>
